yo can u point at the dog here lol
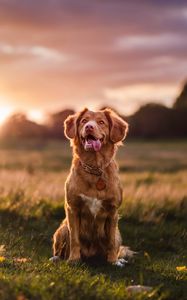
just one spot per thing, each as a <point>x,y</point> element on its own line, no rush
<point>93,191</point>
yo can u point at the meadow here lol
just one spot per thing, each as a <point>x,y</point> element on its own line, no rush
<point>153,222</point>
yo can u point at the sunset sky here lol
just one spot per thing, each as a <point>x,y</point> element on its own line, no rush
<point>63,53</point>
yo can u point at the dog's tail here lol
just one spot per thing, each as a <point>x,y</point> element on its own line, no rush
<point>126,252</point>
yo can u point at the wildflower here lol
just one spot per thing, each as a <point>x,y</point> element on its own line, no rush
<point>2,258</point>
<point>146,254</point>
<point>181,268</point>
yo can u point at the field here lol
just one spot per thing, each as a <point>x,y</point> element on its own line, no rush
<point>153,222</point>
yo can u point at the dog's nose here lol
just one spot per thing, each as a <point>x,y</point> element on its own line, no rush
<point>89,127</point>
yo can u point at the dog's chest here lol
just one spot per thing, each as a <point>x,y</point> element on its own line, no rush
<point>93,204</point>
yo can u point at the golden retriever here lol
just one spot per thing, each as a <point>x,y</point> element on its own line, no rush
<point>93,192</point>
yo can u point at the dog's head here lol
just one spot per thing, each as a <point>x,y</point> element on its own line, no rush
<point>93,130</point>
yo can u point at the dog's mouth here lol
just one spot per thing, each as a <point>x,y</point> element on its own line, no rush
<point>90,142</point>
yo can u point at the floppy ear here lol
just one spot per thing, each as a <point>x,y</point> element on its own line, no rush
<point>118,127</point>
<point>71,124</point>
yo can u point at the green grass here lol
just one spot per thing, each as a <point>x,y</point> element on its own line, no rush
<point>153,222</point>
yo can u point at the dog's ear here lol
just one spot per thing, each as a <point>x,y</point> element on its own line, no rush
<point>71,124</point>
<point>118,127</point>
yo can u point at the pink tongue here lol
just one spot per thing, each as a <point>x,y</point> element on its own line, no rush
<point>93,144</point>
<point>97,145</point>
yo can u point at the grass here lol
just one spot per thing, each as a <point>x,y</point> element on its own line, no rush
<point>153,222</point>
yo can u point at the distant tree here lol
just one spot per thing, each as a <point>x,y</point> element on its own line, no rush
<point>150,121</point>
<point>181,101</point>
<point>56,122</point>
<point>18,126</point>
<point>179,122</point>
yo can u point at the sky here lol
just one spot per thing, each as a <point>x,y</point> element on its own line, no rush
<point>57,54</point>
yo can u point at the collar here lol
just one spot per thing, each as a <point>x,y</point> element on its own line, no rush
<point>91,169</point>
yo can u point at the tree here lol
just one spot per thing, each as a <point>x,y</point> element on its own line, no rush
<point>56,122</point>
<point>181,101</point>
<point>150,121</point>
<point>18,126</point>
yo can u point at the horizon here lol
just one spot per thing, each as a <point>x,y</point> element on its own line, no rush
<point>42,118</point>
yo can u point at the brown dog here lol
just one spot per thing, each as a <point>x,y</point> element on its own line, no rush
<point>93,191</point>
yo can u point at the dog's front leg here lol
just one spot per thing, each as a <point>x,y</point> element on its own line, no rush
<point>112,253</point>
<point>73,226</point>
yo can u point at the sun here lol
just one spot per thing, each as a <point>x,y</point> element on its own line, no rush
<point>36,116</point>
<point>5,112</point>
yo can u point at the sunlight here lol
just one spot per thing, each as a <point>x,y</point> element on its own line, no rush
<point>36,116</point>
<point>133,96</point>
<point>5,112</point>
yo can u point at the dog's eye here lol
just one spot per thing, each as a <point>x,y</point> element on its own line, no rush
<point>101,122</point>
<point>83,121</point>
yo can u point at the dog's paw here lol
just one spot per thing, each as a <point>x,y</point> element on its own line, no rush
<point>54,259</point>
<point>120,262</point>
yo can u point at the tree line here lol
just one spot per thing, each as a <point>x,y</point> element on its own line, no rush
<point>150,121</point>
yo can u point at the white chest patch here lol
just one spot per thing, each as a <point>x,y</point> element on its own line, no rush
<point>93,204</point>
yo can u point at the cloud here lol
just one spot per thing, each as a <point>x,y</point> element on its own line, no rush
<point>64,52</point>
<point>34,50</point>
<point>162,41</point>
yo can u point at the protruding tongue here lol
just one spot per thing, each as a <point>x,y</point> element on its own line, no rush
<point>92,144</point>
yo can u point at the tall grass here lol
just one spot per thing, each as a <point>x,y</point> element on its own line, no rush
<point>153,222</point>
